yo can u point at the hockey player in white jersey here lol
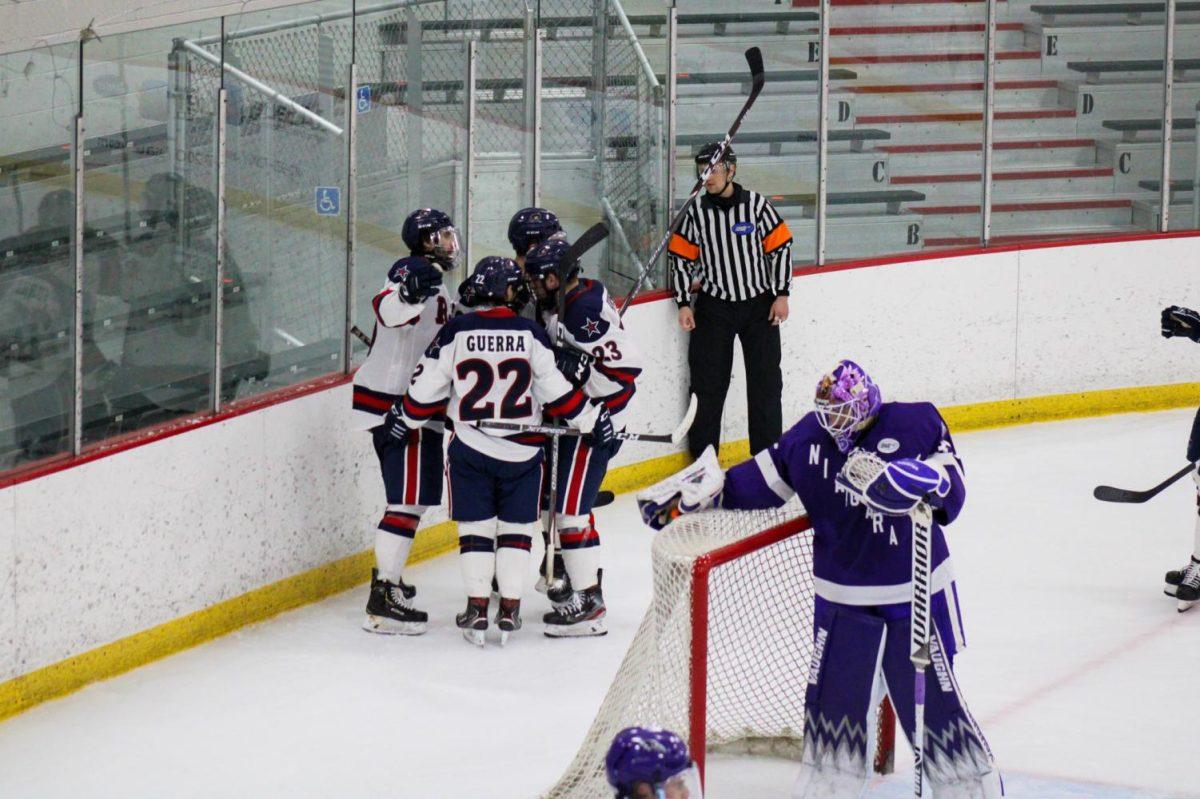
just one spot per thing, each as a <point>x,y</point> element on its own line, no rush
<point>1184,584</point>
<point>492,364</point>
<point>598,355</point>
<point>409,310</point>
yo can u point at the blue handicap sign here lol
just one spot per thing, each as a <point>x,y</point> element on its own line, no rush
<point>329,200</point>
<point>363,99</point>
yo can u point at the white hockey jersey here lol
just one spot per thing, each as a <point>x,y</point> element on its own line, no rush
<point>593,325</point>
<point>402,333</point>
<point>493,364</point>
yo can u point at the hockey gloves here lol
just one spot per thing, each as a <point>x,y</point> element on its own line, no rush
<point>575,364</point>
<point>695,488</point>
<point>603,435</point>
<point>394,423</point>
<point>418,282</point>
<point>1179,321</point>
<point>903,484</point>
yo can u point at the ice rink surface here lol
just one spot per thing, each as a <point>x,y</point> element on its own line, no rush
<point>1080,671</point>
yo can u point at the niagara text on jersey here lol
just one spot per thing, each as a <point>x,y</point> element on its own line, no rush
<point>493,364</point>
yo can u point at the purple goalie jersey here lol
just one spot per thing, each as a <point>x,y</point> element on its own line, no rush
<point>860,556</point>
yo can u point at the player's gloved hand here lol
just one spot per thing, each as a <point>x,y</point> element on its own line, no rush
<point>692,489</point>
<point>1180,321</point>
<point>904,483</point>
<point>575,364</point>
<point>603,435</point>
<point>394,423</point>
<point>419,282</point>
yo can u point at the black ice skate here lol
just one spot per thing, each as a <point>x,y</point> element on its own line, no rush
<point>576,613</point>
<point>1188,590</point>
<point>390,610</point>
<point>473,621</point>
<point>508,619</point>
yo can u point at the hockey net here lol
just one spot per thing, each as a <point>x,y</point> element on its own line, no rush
<point>723,652</point>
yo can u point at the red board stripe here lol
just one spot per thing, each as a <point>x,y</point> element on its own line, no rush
<point>1024,174</point>
<point>967,147</point>
<point>952,86</point>
<point>930,58</point>
<point>892,30</point>
<point>1064,205</point>
<point>965,116</point>
<point>968,241</point>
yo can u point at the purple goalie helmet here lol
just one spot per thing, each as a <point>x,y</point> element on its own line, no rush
<point>846,402</point>
<point>651,763</point>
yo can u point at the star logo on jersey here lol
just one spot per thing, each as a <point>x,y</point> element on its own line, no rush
<point>591,327</point>
<point>400,274</point>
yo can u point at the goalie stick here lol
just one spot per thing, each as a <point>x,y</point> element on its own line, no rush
<point>757,79</point>
<point>860,471</point>
<point>1113,494</point>
<point>674,437</point>
<point>589,239</point>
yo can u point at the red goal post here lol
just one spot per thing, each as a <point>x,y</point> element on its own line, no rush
<point>724,650</point>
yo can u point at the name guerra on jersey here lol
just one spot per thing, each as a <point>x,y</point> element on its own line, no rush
<point>478,342</point>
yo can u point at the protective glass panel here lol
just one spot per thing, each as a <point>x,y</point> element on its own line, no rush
<point>38,102</point>
<point>906,124</point>
<point>1079,145</point>
<point>287,181</point>
<point>1185,99</point>
<point>150,247</point>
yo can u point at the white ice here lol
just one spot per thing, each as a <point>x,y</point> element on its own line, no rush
<point>1081,672</point>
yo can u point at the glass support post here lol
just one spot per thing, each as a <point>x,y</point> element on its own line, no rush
<point>989,127</point>
<point>1164,202</point>
<point>822,133</point>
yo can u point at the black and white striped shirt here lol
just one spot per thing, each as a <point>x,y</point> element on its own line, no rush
<point>738,247</point>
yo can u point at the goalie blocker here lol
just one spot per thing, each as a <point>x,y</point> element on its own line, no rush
<point>862,563</point>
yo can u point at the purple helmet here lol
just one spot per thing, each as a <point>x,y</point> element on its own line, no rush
<point>847,401</point>
<point>645,757</point>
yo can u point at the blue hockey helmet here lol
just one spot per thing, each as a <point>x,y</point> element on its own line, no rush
<point>489,282</point>
<point>531,226</point>
<point>651,763</point>
<point>546,258</point>
<point>430,231</point>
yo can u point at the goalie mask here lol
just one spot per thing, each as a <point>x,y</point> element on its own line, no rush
<point>847,401</point>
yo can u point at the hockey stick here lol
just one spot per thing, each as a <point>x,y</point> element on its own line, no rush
<point>361,336</point>
<point>1111,494</point>
<point>757,79</point>
<point>922,523</point>
<point>674,437</point>
<point>589,239</point>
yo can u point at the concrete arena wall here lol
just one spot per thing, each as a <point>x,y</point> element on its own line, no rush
<point>147,535</point>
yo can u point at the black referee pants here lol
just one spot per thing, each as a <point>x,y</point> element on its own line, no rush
<point>710,360</point>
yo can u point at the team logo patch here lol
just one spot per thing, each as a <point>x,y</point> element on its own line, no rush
<point>888,445</point>
<point>743,228</point>
<point>592,329</point>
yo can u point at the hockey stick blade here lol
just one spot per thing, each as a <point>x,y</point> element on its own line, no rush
<point>586,241</point>
<point>689,416</point>
<point>757,73</point>
<point>1113,494</point>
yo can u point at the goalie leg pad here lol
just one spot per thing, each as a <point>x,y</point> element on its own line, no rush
<point>958,760</point>
<point>844,688</point>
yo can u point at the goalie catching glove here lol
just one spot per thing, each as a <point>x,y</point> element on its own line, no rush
<point>900,485</point>
<point>692,489</point>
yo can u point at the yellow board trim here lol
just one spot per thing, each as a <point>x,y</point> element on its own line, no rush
<point>124,654</point>
<point>64,677</point>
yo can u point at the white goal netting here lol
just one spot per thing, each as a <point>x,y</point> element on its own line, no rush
<point>728,673</point>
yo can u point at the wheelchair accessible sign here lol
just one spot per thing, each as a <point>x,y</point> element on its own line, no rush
<point>329,201</point>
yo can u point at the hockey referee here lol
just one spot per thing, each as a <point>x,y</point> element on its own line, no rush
<point>736,250</point>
